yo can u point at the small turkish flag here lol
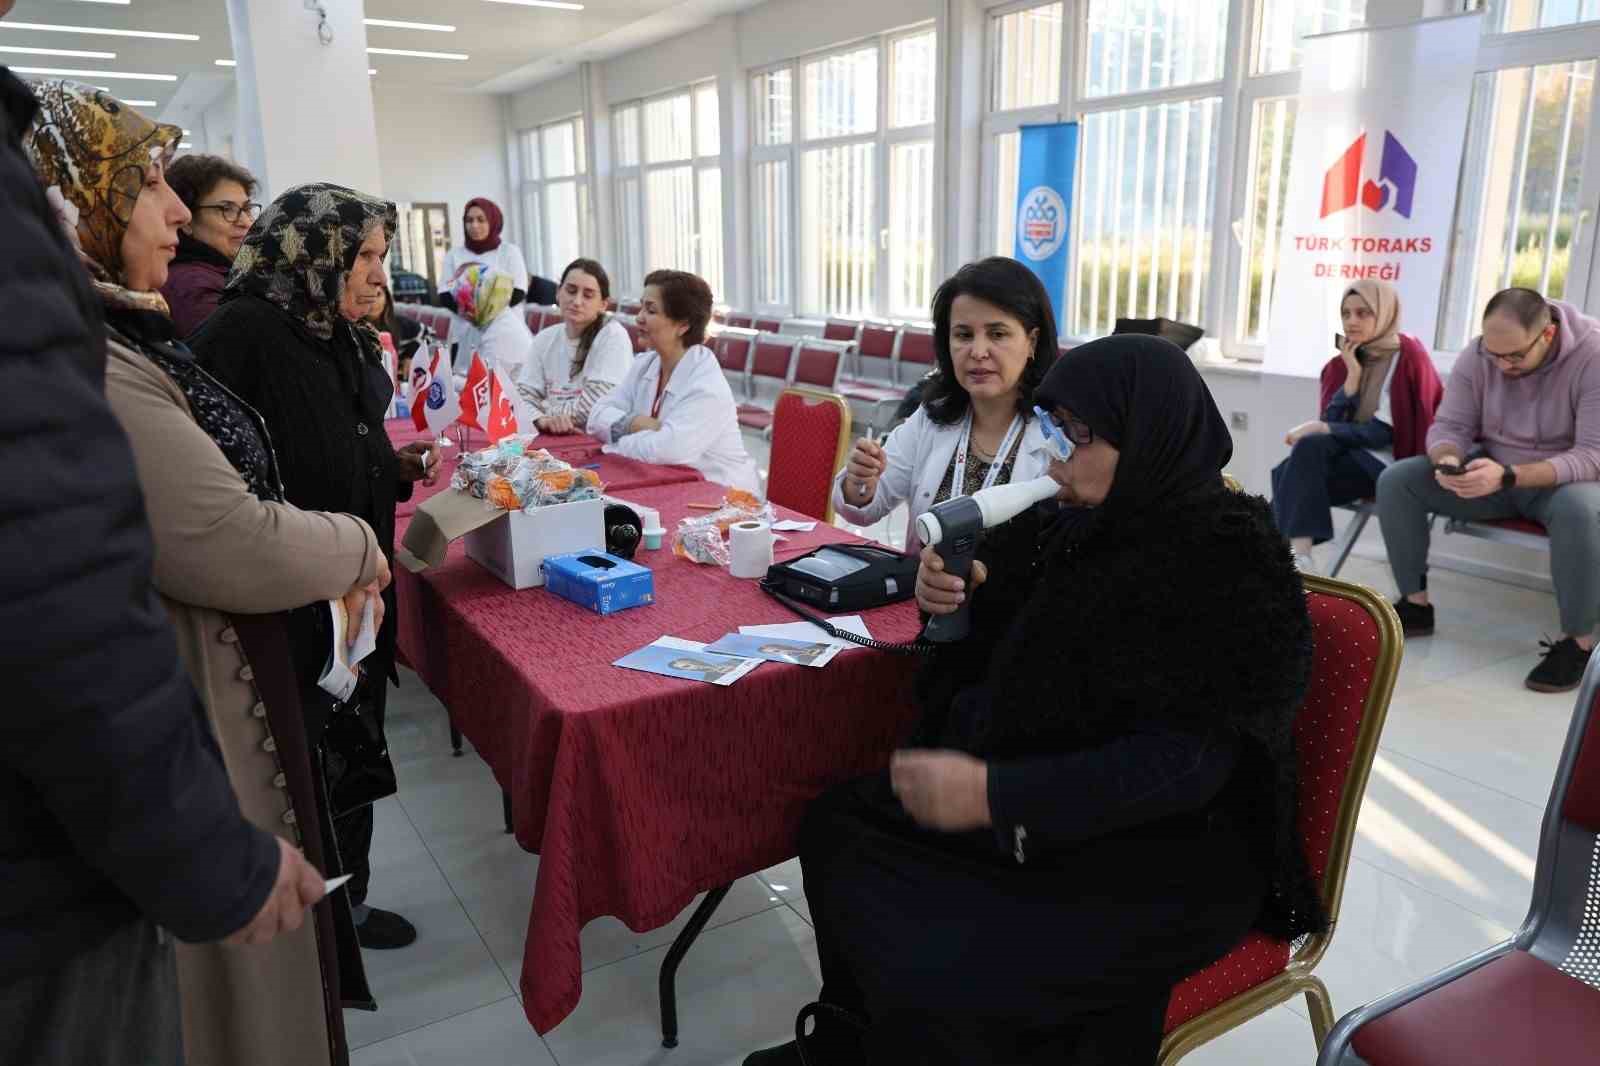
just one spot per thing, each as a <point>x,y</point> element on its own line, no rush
<point>475,395</point>
<point>504,407</point>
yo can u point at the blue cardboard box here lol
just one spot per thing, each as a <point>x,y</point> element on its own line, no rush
<point>603,583</point>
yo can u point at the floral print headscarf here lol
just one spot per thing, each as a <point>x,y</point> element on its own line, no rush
<point>481,293</point>
<point>300,250</point>
<point>93,153</point>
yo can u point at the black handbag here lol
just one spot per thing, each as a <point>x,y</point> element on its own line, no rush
<point>355,755</point>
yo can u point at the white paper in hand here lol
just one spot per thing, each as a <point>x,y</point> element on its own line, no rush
<point>339,677</point>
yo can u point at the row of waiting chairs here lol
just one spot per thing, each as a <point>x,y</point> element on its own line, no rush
<point>759,366</point>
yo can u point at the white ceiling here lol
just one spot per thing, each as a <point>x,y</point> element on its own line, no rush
<point>511,46</point>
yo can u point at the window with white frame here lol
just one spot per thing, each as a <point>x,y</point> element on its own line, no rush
<point>843,156</point>
<point>668,186</point>
<point>1519,203</point>
<point>1519,206</point>
<point>1268,103</point>
<point>554,195</point>
<point>1144,193</point>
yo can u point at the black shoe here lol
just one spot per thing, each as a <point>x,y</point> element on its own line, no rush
<point>384,930</point>
<point>1562,667</point>
<point>1416,619</point>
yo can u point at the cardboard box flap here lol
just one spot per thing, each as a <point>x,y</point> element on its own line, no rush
<point>439,520</point>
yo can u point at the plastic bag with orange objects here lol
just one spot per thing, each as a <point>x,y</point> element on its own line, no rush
<point>699,538</point>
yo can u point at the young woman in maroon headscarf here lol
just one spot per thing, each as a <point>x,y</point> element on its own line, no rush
<point>482,222</point>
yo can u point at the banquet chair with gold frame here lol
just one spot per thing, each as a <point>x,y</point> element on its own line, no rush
<point>810,437</point>
<point>1358,645</point>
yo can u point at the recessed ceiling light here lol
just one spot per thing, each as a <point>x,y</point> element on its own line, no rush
<point>64,73</point>
<point>542,3</point>
<point>124,3</point>
<point>185,144</point>
<point>46,27</point>
<point>227,63</point>
<point>72,52</point>
<point>138,103</point>
<point>418,55</point>
<point>397,24</point>
<point>372,70</point>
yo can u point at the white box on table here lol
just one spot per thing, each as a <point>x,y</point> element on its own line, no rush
<point>512,548</point>
<point>511,545</point>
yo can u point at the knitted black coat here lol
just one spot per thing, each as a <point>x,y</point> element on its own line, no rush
<point>1190,616</point>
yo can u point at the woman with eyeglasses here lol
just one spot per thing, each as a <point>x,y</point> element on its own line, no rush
<point>1379,393</point>
<point>1100,797</point>
<point>218,194</point>
<point>995,337</point>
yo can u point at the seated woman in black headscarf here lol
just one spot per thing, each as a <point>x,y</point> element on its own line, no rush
<point>1100,796</point>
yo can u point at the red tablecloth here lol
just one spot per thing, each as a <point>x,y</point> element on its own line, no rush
<point>640,791</point>
<point>617,473</point>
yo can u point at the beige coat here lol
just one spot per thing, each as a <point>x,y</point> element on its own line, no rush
<point>218,548</point>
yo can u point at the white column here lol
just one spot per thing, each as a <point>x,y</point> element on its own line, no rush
<point>958,197</point>
<point>305,106</point>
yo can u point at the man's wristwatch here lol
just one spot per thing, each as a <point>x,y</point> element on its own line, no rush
<point>1508,479</point>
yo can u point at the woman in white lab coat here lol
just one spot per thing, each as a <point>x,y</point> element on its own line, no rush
<point>995,336</point>
<point>674,405</point>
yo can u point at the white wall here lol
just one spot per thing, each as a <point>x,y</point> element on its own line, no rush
<point>547,101</point>
<point>783,29</point>
<point>443,148</point>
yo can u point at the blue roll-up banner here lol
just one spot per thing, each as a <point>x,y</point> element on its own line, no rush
<point>1044,205</point>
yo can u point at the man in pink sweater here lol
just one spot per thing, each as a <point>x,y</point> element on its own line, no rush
<point>1518,435</point>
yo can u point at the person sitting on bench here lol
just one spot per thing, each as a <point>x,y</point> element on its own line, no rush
<point>1518,435</point>
<point>1379,393</point>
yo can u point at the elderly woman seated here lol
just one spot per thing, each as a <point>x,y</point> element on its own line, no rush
<point>1100,797</point>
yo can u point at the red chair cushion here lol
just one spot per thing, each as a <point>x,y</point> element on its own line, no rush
<point>805,444</point>
<point>767,325</point>
<point>733,353</point>
<point>1346,658</point>
<point>741,321</point>
<point>867,391</point>
<point>840,331</point>
<point>1255,960</point>
<point>1519,525</point>
<point>772,360</point>
<point>877,342</point>
<point>1516,1009</point>
<point>1346,642</point>
<point>1582,803</point>
<point>755,418</point>
<point>817,366</point>
<point>917,348</point>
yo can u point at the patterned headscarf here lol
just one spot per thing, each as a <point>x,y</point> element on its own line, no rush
<point>300,250</point>
<point>92,153</point>
<point>481,293</point>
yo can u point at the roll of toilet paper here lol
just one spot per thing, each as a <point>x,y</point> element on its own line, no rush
<point>750,545</point>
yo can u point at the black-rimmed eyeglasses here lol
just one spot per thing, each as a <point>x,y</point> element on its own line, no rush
<point>232,211</point>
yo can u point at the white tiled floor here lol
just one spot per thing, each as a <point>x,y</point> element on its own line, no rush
<point>1442,868</point>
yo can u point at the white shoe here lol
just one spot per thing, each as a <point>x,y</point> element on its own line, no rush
<point>1306,565</point>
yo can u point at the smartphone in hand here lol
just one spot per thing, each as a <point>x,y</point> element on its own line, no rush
<point>1450,469</point>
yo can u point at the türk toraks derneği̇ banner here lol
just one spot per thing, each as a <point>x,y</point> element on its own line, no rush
<point>1378,135</point>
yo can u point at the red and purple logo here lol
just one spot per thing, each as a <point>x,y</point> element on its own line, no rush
<point>1396,186</point>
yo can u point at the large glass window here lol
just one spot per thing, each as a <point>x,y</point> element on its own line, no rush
<point>1518,208</point>
<point>1025,58</point>
<point>668,186</point>
<point>858,180</point>
<point>1280,24</point>
<point>1144,213</point>
<point>1517,16</point>
<point>1138,45</point>
<point>554,196</point>
<point>1272,124</point>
